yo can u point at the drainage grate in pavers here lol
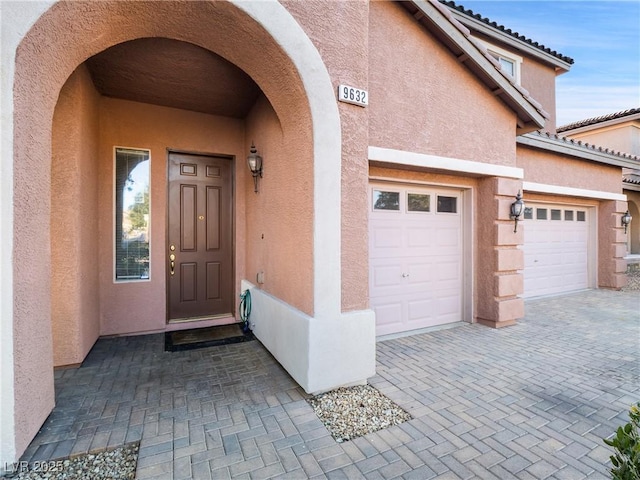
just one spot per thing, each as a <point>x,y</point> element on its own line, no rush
<point>351,412</point>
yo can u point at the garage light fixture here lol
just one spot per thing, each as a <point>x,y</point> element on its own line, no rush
<point>517,208</point>
<point>626,220</point>
<point>255,165</point>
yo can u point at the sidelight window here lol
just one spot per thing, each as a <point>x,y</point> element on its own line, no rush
<point>132,181</point>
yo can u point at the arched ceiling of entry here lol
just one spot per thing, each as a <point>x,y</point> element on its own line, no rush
<point>174,74</point>
<point>70,33</point>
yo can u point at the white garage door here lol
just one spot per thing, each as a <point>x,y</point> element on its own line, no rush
<point>556,249</point>
<point>415,245</point>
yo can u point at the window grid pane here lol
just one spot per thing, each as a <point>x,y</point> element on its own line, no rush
<point>418,202</point>
<point>581,216</point>
<point>528,213</point>
<point>568,215</point>
<point>447,204</point>
<point>541,213</point>
<point>556,214</point>
<point>386,200</point>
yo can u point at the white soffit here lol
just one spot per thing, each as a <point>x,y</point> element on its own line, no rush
<point>572,192</point>
<point>454,165</point>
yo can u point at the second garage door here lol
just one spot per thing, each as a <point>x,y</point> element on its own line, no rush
<point>556,249</point>
<point>416,251</point>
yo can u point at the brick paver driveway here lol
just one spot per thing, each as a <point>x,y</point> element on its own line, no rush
<point>529,401</point>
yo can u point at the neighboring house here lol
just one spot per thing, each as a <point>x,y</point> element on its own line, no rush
<point>619,132</point>
<point>128,208</point>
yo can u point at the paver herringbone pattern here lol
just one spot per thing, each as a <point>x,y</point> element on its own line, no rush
<point>529,401</point>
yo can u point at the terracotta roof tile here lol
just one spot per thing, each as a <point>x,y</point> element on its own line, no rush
<point>587,146</point>
<point>596,120</point>
<point>508,31</point>
<point>631,178</point>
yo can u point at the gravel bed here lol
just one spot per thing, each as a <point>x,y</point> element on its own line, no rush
<point>356,411</point>
<point>116,464</point>
<point>633,280</point>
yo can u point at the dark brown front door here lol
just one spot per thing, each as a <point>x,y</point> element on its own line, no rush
<point>200,250</point>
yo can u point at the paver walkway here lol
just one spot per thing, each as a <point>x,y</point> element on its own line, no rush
<point>529,401</point>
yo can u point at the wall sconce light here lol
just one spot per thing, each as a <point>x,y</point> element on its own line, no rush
<point>626,220</point>
<point>517,208</point>
<point>255,165</point>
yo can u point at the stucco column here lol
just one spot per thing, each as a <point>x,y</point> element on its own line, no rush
<point>612,245</point>
<point>500,262</point>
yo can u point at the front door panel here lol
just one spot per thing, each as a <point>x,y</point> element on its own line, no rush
<point>200,250</point>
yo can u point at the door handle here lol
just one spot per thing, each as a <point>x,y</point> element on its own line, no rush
<point>405,275</point>
<point>172,263</point>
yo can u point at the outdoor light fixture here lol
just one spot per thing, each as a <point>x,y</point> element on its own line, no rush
<point>517,208</point>
<point>255,165</point>
<point>626,220</point>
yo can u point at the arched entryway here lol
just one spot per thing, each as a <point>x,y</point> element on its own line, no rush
<point>262,40</point>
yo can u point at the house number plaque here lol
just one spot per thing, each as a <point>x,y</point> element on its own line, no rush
<point>353,95</point>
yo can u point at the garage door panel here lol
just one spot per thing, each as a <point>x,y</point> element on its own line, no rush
<point>416,262</point>
<point>448,310</point>
<point>385,237</point>
<point>448,270</point>
<point>556,252</point>
<point>387,275</point>
<point>448,237</point>
<point>419,273</point>
<point>389,317</point>
<point>420,310</point>
<point>419,237</point>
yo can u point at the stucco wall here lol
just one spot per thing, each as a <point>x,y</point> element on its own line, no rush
<point>540,80</point>
<point>423,100</point>
<point>557,169</point>
<point>279,218</point>
<point>75,315</point>
<point>137,125</point>
<point>341,24</point>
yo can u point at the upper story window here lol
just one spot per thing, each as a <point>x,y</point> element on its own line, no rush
<point>510,62</point>
<point>132,180</point>
<point>508,65</point>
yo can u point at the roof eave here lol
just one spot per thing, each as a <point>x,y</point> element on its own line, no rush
<point>603,124</point>
<point>481,27</point>
<point>577,151</point>
<point>529,118</point>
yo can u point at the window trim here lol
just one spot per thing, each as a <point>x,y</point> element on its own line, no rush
<point>115,280</point>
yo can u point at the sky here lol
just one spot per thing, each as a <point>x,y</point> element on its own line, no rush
<point>602,37</point>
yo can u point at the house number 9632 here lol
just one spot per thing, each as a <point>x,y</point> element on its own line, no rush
<point>353,95</point>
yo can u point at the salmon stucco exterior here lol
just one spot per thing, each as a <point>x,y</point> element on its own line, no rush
<point>395,137</point>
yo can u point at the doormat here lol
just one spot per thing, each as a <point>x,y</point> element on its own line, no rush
<point>181,340</point>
